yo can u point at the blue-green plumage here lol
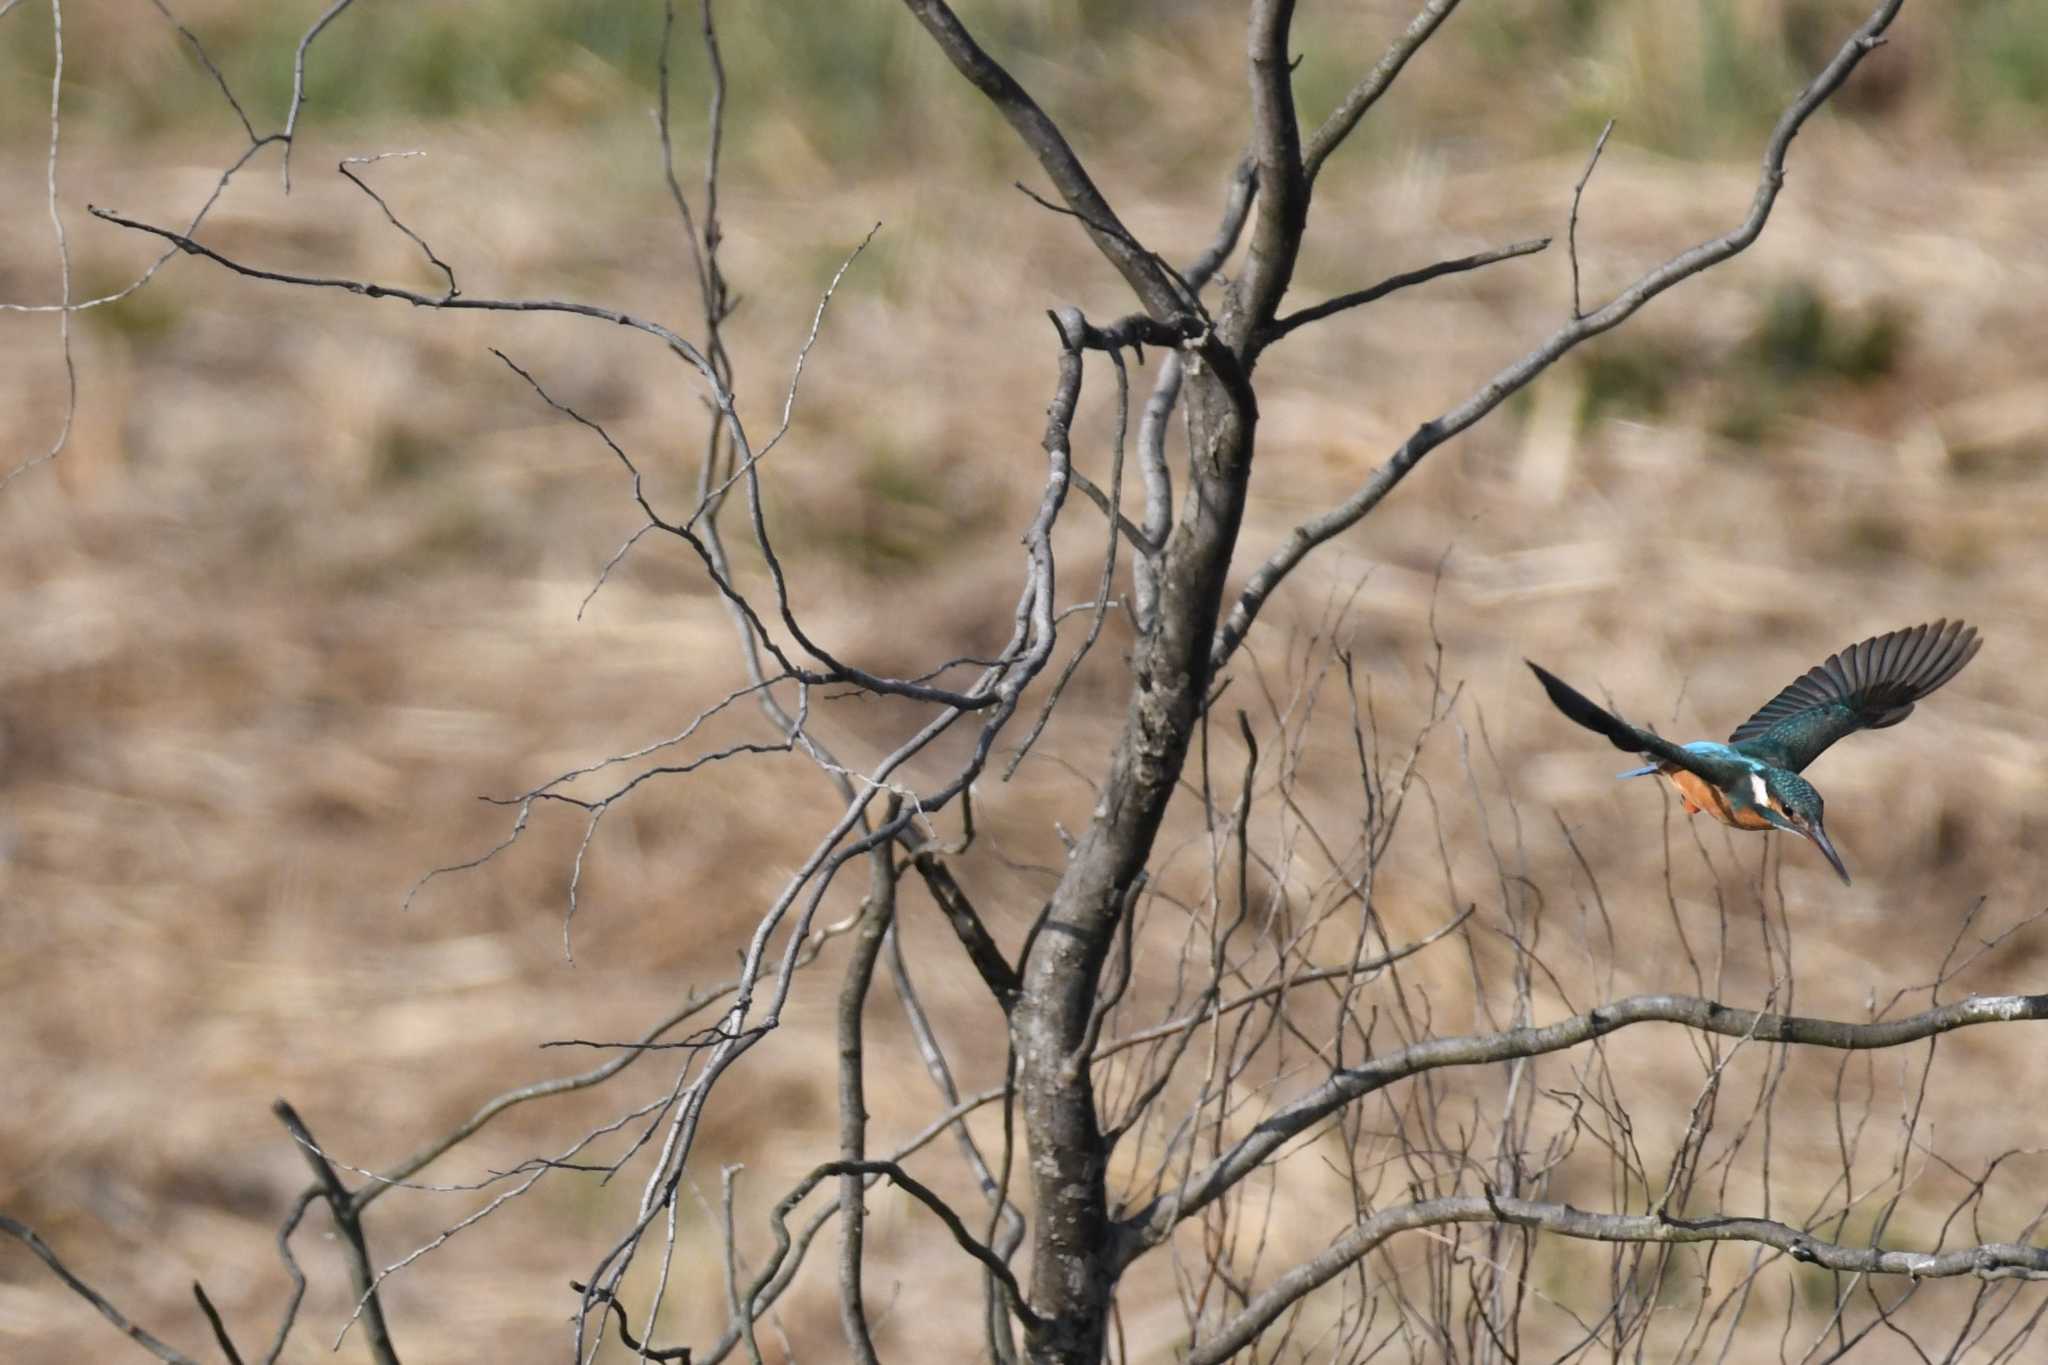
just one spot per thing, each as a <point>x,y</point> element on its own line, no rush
<point>1753,781</point>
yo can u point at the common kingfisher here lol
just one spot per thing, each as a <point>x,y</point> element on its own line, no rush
<point>1753,781</point>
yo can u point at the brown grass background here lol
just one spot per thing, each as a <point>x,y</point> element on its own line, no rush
<point>305,582</point>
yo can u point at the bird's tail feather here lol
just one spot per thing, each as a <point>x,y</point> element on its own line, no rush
<point>1618,731</point>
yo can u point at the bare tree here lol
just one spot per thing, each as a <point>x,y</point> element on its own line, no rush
<point>1209,1005</point>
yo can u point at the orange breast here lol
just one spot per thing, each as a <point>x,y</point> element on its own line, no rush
<point>1702,795</point>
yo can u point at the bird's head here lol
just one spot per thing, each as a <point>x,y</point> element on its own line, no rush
<point>1792,804</point>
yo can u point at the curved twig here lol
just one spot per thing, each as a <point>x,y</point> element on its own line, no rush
<point>1152,1223</point>
<point>1990,1261</point>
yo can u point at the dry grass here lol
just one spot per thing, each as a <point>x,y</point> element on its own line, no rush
<point>305,584</point>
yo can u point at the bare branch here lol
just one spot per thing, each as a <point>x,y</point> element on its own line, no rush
<point>877,916</point>
<point>1237,208</point>
<point>539,1090</point>
<point>1433,433</point>
<point>1367,92</point>
<point>1280,213</point>
<point>995,970</point>
<point>700,545</point>
<point>1989,1261</point>
<point>1127,528</point>
<point>206,60</point>
<point>28,1238</point>
<point>711,290</point>
<point>1265,993</point>
<point>290,1316</point>
<point>291,118</point>
<point>1107,581</point>
<point>348,1220</point>
<point>640,1350</point>
<point>1140,268</point>
<point>220,1329</point>
<point>1572,224</point>
<point>343,166</point>
<point>1190,296</point>
<point>63,437</point>
<point>1282,326</point>
<point>1166,389</point>
<point>383,291</point>
<point>939,1207</point>
<point>1153,1222</point>
<point>1006,1222</point>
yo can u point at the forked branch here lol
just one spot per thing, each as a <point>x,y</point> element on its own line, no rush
<point>1434,432</point>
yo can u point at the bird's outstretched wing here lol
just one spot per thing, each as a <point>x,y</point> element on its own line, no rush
<point>1628,738</point>
<point>1865,687</point>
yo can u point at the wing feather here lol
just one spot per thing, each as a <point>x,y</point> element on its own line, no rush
<point>1868,686</point>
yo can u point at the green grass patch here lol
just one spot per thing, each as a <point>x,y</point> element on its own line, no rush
<point>863,82</point>
<point>149,314</point>
<point>1803,336</point>
<point>1633,377</point>
<point>1801,347</point>
<point>2002,58</point>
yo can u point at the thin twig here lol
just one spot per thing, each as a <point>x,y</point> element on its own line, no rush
<point>213,1320</point>
<point>1692,1011</point>
<point>298,102</point>
<point>1988,1261</point>
<point>1162,296</point>
<point>63,437</point>
<point>640,1350</point>
<point>1572,225</point>
<point>28,1238</point>
<point>1367,92</point>
<point>942,1210</point>
<point>1282,326</point>
<point>343,166</point>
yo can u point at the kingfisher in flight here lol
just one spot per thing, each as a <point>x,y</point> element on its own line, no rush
<point>1753,781</point>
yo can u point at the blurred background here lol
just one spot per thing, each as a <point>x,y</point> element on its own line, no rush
<point>306,580</point>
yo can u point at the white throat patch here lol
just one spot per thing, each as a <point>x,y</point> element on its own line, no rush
<point>1763,793</point>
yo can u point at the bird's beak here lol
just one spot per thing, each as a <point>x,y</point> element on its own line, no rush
<point>1820,838</point>
<point>1816,833</point>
